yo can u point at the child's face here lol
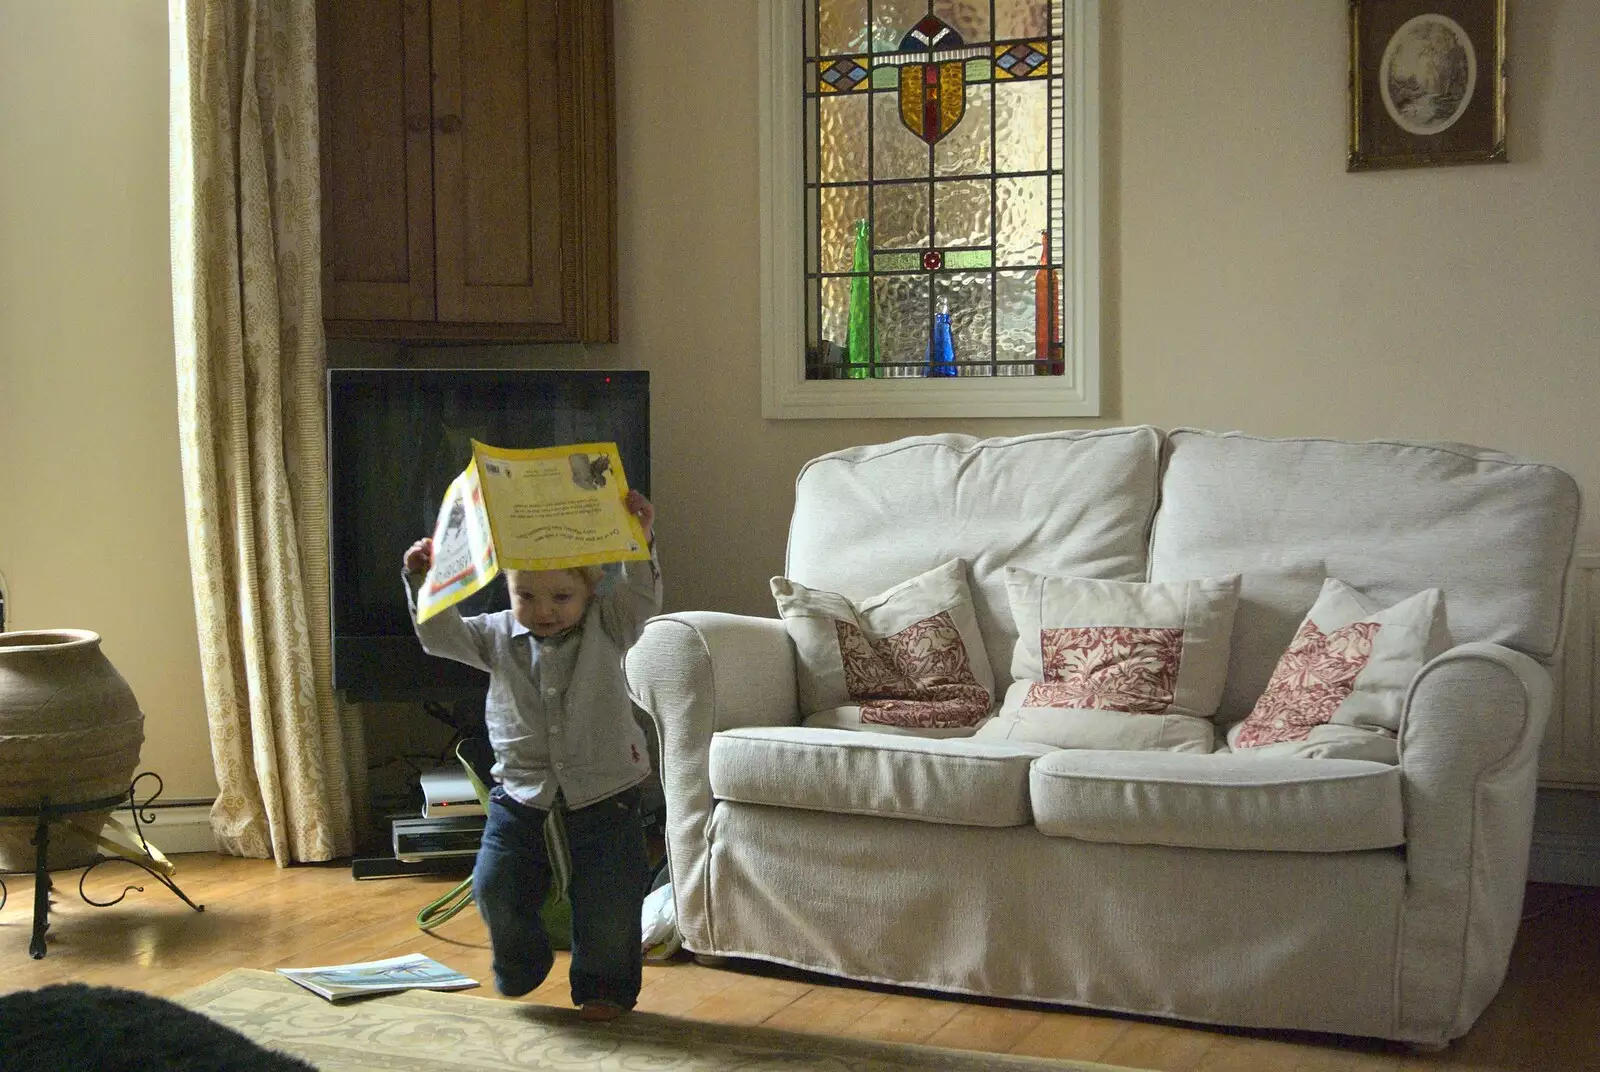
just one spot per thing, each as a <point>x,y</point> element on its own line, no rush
<point>548,601</point>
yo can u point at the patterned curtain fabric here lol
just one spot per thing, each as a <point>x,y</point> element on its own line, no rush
<point>246,256</point>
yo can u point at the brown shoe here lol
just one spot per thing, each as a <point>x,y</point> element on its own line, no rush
<point>595,1011</point>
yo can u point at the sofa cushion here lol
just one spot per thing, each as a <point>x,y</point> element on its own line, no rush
<point>1097,662</point>
<point>1495,533</point>
<point>1339,691</point>
<point>951,780</point>
<point>1218,801</point>
<point>909,660</point>
<point>1068,502</point>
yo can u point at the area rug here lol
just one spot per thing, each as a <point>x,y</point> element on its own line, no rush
<point>428,1031</point>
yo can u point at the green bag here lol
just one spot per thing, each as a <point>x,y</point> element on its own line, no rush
<point>556,912</point>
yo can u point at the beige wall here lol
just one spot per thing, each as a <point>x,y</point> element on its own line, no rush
<point>1250,283</point>
<point>91,505</point>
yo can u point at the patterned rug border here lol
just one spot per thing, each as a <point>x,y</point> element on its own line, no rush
<point>640,1027</point>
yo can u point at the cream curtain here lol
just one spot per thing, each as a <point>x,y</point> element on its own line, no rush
<point>250,355</point>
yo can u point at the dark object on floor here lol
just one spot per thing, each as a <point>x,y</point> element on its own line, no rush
<point>72,1027</point>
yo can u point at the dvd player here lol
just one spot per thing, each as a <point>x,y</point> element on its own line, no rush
<point>428,838</point>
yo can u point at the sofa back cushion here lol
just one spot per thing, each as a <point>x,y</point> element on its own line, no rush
<point>1495,533</point>
<point>1066,503</point>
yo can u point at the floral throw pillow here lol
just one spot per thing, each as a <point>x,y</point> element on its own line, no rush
<point>1339,689</point>
<point>1116,664</point>
<point>908,660</point>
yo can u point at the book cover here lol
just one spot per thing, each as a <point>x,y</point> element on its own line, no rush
<point>551,508</point>
<point>415,971</point>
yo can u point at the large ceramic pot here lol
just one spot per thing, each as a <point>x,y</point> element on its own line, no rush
<point>70,730</point>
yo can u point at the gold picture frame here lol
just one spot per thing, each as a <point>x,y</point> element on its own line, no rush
<point>1427,83</point>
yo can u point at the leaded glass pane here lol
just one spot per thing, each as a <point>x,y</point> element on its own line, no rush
<point>841,26</point>
<point>969,18</point>
<point>900,216</point>
<point>1020,220</point>
<point>965,150</point>
<point>896,152</point>
<point>1021,107</point>
<point>1015,295</point>
<point>844,137</point>
<point>971,296</point>
<point>891,19</point>
<point>836,312</point>
<point>1021,18</point>
<point>902,314</point>
<point>961,214</point>
<point>842,206</point>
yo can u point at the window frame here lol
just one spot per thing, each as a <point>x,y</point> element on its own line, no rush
<point>786,393</point>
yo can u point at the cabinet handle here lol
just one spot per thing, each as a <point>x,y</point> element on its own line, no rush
<point>448,124</point>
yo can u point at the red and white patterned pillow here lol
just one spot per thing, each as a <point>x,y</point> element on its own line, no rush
<point>1116,664</point>
<point>1339,690</point>
<point>908,660</point>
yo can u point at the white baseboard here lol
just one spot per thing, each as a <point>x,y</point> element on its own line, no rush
<point>178,828</point>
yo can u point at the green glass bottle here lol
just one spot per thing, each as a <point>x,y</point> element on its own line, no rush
<point>858,340</point>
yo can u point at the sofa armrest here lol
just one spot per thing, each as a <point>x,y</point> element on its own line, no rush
<point>1469,751</point>
<point>695,673</point>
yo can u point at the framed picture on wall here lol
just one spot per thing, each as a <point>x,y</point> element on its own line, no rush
<point>1427,82</point>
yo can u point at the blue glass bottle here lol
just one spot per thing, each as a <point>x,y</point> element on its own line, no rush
<point>941,357</point>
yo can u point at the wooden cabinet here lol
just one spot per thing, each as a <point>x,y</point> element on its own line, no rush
<point>468,169</point>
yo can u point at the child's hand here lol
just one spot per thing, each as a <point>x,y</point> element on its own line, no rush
<point>419,557</point>
<point>640,508</point>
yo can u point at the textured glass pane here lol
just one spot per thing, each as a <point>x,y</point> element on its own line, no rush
<point>965,150</point>
<point>969,258</point>
<point>900,306</point>
<point>812,290</point>
<point>961,213</point>
<point>969,18</point>
<point>842,206</point>
<point>885,76</point>
<point>1021,18</point>
<point>842,26</point>
<point>897,262</point>
<point>896,152</point>
<point>900,216</point>
<point>844,138</point>
<point>970,299</point>
<point>1020,221</point>
<point>1014,320</point>
<point>836,310</point>
<point>891,19</point>
<point>1022,126</point>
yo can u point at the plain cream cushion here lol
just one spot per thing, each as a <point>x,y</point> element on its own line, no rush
<point>959,781</point>
<point>1218,801</point>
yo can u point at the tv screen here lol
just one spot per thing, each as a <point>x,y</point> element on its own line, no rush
<point>396,439</point>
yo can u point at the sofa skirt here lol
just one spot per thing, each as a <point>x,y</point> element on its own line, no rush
<point>1256,939</point>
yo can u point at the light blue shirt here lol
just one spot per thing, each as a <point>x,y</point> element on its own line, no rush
<point>558,711</point>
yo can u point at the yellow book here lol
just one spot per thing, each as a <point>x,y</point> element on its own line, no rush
<point>551,508</point>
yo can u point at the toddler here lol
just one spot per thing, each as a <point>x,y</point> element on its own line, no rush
<point>564,736</point>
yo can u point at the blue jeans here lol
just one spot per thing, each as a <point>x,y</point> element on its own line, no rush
<point>609,874</point>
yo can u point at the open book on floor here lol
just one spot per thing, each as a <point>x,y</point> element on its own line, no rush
<point>411,972</point>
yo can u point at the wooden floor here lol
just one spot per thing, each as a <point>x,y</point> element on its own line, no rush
<point>260,916</point>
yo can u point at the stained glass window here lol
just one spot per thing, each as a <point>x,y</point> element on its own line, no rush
<point>936,205</point>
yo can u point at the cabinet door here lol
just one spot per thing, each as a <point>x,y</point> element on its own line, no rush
<point>501,165</point>
<point>377,180</point>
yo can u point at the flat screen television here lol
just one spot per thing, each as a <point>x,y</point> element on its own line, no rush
<point>396,439</point>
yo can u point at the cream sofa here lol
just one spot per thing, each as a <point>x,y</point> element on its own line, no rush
<point>1322,894</point>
